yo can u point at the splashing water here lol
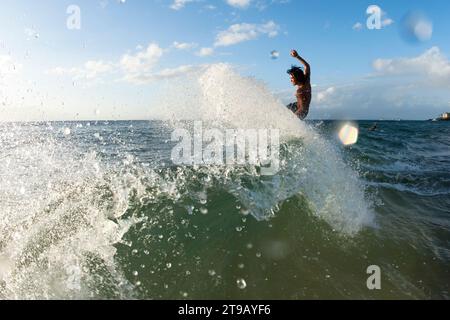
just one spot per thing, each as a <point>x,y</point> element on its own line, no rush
<point>311,166</point>
<point>60,215</point>
<point>66,208</point>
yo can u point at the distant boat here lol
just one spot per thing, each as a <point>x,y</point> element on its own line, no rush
<point>444,117</point>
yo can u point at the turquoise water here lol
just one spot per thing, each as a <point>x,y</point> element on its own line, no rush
<point>97,210</point>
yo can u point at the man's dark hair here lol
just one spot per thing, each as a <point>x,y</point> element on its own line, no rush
<point>298,73</point>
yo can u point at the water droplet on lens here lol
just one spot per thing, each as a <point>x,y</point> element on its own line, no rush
<point>241,284</point>
<point>245,212</point>
<point>274,54</point>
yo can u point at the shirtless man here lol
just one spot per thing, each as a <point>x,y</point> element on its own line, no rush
<point>301,79</point>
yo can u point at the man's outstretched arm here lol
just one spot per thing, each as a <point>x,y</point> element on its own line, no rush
<point>295,54</point>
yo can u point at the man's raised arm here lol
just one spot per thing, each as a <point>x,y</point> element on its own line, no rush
<point>295,54</point>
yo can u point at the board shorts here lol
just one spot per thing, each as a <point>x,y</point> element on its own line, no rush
<point>293,107</point>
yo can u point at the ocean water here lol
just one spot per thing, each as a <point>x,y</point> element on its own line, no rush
<point>97,210</point>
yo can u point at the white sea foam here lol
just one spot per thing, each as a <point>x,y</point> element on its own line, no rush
<point>59,210</point>
<point>62,209</point>
<point>222,98</point>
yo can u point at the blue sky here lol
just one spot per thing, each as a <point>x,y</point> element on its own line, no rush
<point>115,65</point>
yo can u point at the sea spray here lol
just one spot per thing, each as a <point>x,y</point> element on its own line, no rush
<point>78,212</point>
<point>311,165</point>
<point>60,217</point>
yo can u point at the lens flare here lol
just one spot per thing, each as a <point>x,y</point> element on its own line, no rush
<point>348,134</point>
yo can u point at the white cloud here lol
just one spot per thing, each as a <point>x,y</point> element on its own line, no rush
<point>264,4</point>
<point>184,45</point>
<point>239,3</point>
<point>406,88</point>
<point>131,65</point>
<point>357,26</point>
<point>95,68</point>
<point>175,72</point>
<point>180,4</point>
<point>432,64</point>
<point>168,73</point>
<point>91,70</point>
<point>204,52</point>
<point>375,99</point>
<point>400,88</point>
<point>143,61</point>
<point>244,32</point>
<point>138,68</point>
<point>325,94</point>
<point>58,71</point>
<point>386,22</point>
